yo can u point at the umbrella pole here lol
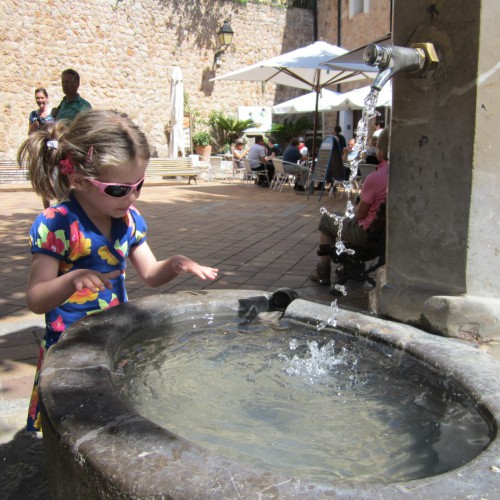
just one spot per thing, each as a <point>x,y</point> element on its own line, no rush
<point>315,129</point>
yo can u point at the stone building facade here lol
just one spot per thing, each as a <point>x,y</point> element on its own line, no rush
<point>124,51</point>
<point>351,24</point>
<point>361,21</point>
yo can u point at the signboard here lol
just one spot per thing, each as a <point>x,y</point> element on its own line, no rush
<point>261,115</point>
<point>322,162</point>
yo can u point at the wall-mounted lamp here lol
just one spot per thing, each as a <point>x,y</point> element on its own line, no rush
<point>225,36</point>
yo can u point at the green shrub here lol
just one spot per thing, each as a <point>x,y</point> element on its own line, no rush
<point>202,139</point>
<point>226,128</point>
<point>291,128</point>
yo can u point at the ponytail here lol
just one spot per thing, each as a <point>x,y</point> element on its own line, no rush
<point>40,154</point>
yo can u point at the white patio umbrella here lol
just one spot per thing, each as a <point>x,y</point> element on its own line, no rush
<point>307,103</point>
<point>355,99</point>
<point>176,112</point>
<point>333,101</point>
<point>354,60</point>
<point>302,68</point>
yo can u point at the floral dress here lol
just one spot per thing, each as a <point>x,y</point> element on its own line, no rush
<point>64,232</point>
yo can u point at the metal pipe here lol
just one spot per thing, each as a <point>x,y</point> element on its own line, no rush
<point>392,60</point>
<point>419,57</point>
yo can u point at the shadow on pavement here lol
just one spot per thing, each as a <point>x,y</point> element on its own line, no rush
<point>22,468</point>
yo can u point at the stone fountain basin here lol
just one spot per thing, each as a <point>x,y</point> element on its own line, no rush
<point>97,446</point>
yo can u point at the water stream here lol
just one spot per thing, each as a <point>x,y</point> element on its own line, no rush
<point>361,137</point>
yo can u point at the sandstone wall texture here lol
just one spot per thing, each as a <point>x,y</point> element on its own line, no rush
<point>124,51</point>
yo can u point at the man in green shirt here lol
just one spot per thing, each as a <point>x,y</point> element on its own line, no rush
<point>72,103</point>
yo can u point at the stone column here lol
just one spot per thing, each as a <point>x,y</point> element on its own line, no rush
<point>443,256</point>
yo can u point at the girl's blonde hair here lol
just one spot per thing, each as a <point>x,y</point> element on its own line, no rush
<point>93,141</point>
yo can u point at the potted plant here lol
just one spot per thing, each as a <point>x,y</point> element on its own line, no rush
<point>226,129</point>
<point>202,144</point>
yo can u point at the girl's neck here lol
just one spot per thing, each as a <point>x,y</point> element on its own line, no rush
<point>100,220</point>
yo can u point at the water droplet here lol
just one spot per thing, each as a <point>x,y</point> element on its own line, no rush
<point>332,319</point>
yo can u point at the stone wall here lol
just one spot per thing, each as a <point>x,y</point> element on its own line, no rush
<point>357,30</point>
<point>124,51</point>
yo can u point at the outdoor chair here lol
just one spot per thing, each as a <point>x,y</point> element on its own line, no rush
<point>364,170</point>
<point>280,176</point>
<point>338,176</point>
<point>217,167</point>
<point>249,175</point>
<point>252,175</point>
<point>238,170</point>
<point>200,162</point>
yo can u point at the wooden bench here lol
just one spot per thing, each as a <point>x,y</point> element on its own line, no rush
<point>10,173</point>
<point>172,167</point>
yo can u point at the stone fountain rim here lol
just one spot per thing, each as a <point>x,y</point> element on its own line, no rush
<point>81,365</point>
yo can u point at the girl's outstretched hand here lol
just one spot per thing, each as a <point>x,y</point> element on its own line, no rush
<point>181,264</point>
<point>93,280</point>
<point>47,290</point>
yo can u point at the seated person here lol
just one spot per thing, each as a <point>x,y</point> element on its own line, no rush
<point>291,157</point>
<point>371,151</point>
<point>355,230</point>
<point>379,126</point>
<point>350,153</point>
<point>257,158</point>
<point>274,150</point>
<point>238,154</point>
<point>304,151</point>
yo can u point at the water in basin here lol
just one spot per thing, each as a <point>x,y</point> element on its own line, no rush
<point>285,398</point>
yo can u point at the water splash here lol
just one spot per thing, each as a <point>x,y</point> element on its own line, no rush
<point>317,362</point>
<point>341,289</point>
<point>332,318</point>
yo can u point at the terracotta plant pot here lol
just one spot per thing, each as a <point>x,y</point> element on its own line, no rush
<point>204,151</point>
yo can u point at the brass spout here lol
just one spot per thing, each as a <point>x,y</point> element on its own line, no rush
<point>392,60</point>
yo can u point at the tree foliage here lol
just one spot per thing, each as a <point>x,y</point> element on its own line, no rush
<point>291,128</point>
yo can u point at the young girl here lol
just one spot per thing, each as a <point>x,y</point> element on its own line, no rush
<point>79,245</point>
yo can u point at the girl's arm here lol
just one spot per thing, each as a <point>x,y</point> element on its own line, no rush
<point>47,291</point>
<point>156,273</point>
<point>239,154</point>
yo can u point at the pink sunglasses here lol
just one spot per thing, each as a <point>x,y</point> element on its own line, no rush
<point>116,190</point>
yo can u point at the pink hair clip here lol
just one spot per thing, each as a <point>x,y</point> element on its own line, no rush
<point>66,167</point>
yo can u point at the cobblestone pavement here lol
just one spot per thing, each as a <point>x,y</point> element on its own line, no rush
<point>258,238</point>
